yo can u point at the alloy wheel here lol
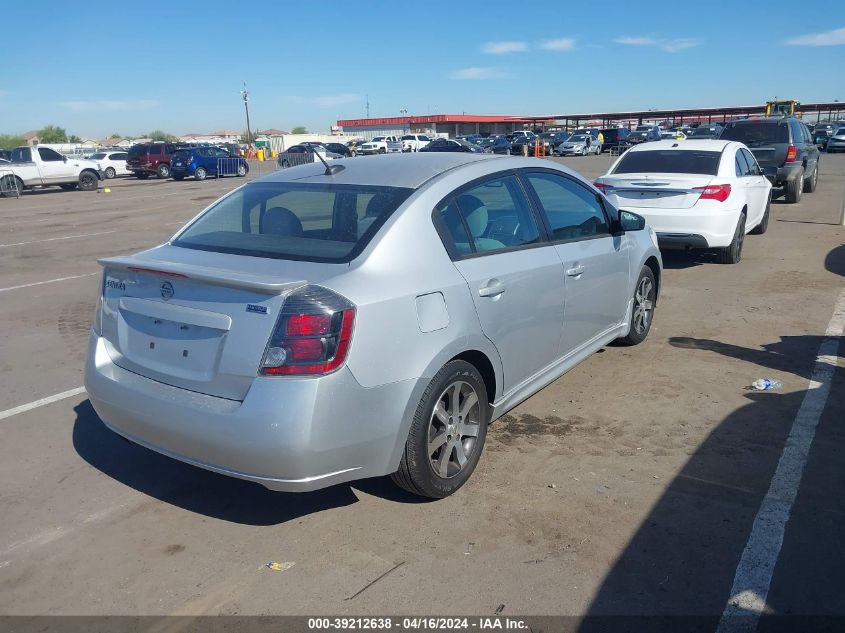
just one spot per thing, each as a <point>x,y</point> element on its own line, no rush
<point>453,429</point>
<point>643,305</point>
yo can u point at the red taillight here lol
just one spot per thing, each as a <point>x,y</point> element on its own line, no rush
<point>603,187</point>
<point>791,154</point>
<point>714,192</point>
<point>312,335</point>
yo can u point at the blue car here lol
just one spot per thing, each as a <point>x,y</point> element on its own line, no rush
<point>202,162</point>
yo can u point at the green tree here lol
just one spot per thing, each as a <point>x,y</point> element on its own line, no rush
<point>245,137</point>
<point>73,138</point>
<point>299,129</point>
<point>158,135</point>
<point>116,136</point>
<point>11,141</point>
<point>52,134</point>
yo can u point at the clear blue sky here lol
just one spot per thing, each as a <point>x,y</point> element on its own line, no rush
<point>97,68</point>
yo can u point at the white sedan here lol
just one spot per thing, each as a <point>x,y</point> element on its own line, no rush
<point>694,194</point>
<point>111,163</point>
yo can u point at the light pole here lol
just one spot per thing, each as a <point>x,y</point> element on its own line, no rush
<point>403,112</point>
<point>245,96</point>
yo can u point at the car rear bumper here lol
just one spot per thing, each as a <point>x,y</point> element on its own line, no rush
<point>289,434</point>
<point>786,173</point>
<point>690,228</point>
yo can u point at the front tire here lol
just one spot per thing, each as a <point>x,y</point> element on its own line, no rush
<point>110,173</point>
<point>642,314</point>
<point>794,188</point>
<point>12,187</point>
<point>764,222</point>
<point>200,173</point>
<point>732,254</point>
<point>447,433</point>
<point>88,181</point>
<point>243,170</point>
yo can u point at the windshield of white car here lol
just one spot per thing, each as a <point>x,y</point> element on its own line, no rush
<point>669,161</point>
<point>283,220</point>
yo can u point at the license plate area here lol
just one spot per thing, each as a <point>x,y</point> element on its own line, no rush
<point>175,348</point>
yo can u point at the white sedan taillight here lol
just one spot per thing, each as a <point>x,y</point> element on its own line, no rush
<point>714,192</point>
<point>312,335</point>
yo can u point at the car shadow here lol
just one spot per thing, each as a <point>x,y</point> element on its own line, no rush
<point>676,259</point>
<point>677,570</point>
<point>205,492</point>
<point>834,262</point>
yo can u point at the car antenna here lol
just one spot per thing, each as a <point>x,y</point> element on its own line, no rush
<point>330,170</point>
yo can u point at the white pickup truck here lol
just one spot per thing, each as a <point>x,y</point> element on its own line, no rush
<point>414,142</point>
<point>31,167</point>
<point>381,145</point>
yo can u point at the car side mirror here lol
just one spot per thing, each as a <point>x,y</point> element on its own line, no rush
<point>627,221</point>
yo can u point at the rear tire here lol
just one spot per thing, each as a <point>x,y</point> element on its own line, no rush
<point>243,170</point>
<point>88,181</point>
<point>200,173</point>
<point>642,314</point>
<point>810,183</point>
<point>733,254</point>
<point>447,433</point>
<point>764,222</point>
<point>110,172</point>
<point>163,171</point>
<point>794,188</point>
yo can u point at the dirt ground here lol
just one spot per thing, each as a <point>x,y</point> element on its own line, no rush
<point>628,486</point>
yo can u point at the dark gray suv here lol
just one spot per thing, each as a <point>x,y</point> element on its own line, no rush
<point>784,148</point>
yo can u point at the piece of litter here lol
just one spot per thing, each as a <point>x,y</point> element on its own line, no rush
<point>469,548</point>
<point>766,384</point>
<point>106,190</point>
<point>499,609</point>
<point>552,485</point>
<point>280,566</point>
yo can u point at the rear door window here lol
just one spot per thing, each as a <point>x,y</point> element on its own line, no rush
<point>573,211</point>
<point>283,220</point>
<point>490,217</point>
<point>753,166</point>
<point>670,161</point>
<point>742,168</point>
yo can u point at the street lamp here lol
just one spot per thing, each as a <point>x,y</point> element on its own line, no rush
<point>403,112</point>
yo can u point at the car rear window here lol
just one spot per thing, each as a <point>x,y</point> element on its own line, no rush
<point>610,135</point>
<point>137,150</point>
<point>757,133</point>
<point>182,154</point>
<point>283,220</point>
<point>670,161</point>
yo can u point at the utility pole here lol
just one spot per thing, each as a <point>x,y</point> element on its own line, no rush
<point>403,112</point>
<point>245,96</point>
<point>368,106</point>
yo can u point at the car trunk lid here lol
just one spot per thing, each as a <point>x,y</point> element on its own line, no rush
<point>660,191</point>
<point>183,323</point>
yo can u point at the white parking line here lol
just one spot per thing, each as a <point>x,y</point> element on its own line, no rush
<point>49,281</point>
<point>8,413</point>
<point>757,564</point>
<point>54,239</point>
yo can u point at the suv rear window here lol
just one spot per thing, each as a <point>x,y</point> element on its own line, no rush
<point>137,150</point>
<point>182,154</point>
<point>283,220</point>
<point>670,161</point>
<point>757,133</point>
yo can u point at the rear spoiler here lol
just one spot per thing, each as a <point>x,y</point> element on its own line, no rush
<point>216,276</point>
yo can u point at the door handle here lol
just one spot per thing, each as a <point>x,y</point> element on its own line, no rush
<point>491,290</point>
<point>575,272</point>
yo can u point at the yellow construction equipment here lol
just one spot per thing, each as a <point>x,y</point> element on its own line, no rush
<point>783,107</point>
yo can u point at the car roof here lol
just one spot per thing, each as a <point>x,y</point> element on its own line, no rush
<point>707,145</point>
<point>389,170</point>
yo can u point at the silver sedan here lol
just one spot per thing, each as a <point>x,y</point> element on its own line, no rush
<point>325,324</point>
